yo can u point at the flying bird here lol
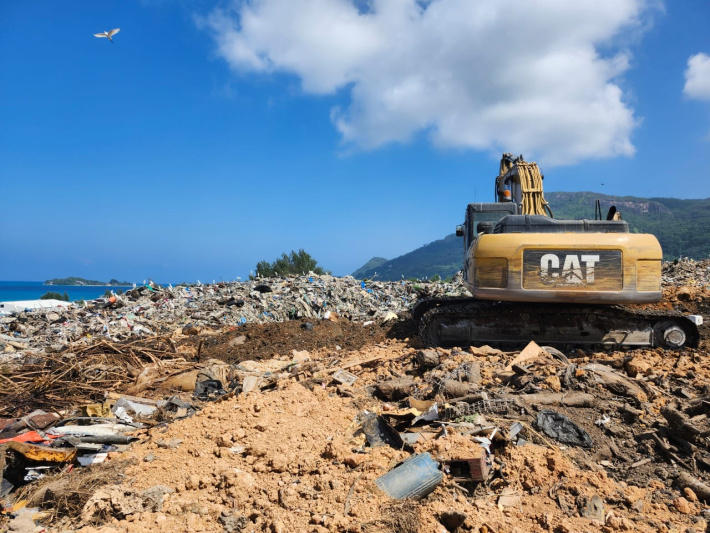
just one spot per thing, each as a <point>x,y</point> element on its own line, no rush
<point>108,34</point>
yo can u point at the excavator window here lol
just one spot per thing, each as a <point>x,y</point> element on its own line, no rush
<point>487,213</point>
<point>486,220</point>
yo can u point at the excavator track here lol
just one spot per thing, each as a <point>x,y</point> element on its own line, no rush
<point>466,321</point>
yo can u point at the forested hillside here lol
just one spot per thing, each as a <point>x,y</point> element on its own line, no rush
<point>681,226</point>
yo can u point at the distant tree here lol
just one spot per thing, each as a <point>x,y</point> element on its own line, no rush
<point>54,296</point>
<point>295,264</point>
<point>65,297</point>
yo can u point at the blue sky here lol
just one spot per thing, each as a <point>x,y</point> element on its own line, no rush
<point>212,135</point>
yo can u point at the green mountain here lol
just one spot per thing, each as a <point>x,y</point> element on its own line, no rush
<point>443,257</point>
<point>372,264</point>
<point>681,227</point>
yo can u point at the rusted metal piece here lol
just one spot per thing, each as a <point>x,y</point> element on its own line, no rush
<point>466,470</point>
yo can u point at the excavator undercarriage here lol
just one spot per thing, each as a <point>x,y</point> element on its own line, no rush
<point>465,321</point>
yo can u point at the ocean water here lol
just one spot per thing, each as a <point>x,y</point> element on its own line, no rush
<point>12,291</point>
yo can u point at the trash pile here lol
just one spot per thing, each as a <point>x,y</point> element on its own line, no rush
<point>324,422</point>
<point>153,311</point>
<point>686,272</point>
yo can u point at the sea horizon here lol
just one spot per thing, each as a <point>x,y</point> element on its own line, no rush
<point>17,291</point>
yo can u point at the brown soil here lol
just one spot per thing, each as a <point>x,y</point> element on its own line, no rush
<point>265,341</point>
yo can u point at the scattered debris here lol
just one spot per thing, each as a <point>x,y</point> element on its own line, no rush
<point>236,407</point>
<point>562,429</point>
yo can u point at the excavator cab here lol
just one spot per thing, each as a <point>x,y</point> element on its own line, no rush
<point>481,218</point>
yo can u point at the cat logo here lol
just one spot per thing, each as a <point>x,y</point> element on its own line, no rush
<point>598,270</point>
<point>572,272</point>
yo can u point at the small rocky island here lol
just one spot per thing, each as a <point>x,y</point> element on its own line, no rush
<point>82,281</point>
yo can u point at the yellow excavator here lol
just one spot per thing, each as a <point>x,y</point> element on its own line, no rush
<point>534,277</point>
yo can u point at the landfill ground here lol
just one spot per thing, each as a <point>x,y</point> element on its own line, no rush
<point>288,444</point>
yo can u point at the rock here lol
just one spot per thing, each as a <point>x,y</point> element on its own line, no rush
<point>427,358</point>
<point>193,482</point>
<point>190,330</point>
<point>120,502</point>
<point>224,441</point>
<point>451,388</point>
<point>592,508</point>
<point>700,525</point>
<point>554,383</point>
<point>236,341</point>
<point>396,389</point>
<point>683,506</point>
<point>452,520</point>
<point>233,523</point>
<point>684,293</point>
<point>279,463</point>
<point>153,497</point>
<point>170,444</point>
<point>637,366</point>
<point>690,495</point>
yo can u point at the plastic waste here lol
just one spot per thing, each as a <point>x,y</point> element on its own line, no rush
<point>414,478</point>
<point>378,432</point>
<point>92,459</point>
<point>346,378</point>
<point>209,389</point>
<point>125,409</point>
<point>561,428</point>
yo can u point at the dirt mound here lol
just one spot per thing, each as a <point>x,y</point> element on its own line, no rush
<point>265,341</point>
<point>291,459</point>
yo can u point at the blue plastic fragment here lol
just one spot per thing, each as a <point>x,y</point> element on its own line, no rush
<point>414,478</point>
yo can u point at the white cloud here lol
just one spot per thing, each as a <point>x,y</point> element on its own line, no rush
<point>697,77</point>
<point>527,77</point>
